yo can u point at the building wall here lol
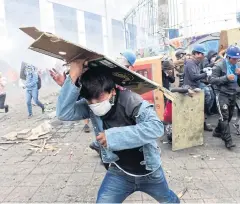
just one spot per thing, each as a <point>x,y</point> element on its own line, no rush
<point>96,24</point>
<point>193,17</point>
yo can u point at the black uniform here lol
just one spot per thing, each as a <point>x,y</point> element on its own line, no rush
<point>226,100</point>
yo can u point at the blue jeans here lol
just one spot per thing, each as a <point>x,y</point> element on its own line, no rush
<point>32,94</point>
<point>117,186</point>
<point>209,96</point>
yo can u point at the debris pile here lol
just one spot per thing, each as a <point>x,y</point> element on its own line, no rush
<point>37,137</point>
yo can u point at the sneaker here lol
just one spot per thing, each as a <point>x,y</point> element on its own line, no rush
<point>86,128</point>
<point>29,116</point>
<point>93,146</point>
<point>6,108</point>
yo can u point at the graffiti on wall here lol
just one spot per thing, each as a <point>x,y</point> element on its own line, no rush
<point>211,42</point>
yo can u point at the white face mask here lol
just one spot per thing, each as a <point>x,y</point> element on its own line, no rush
<point>102,108</point>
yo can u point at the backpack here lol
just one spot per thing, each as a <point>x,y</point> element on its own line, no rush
<point>39,84</point>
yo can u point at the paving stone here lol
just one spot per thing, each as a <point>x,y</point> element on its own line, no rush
<point>136,196</point>
<point>4,191</point>
<point>194,201</point>
<point>64,130</point>
<point>192,194</point>
<point>100,168</point>
<point>194,163</point>
<point>86,167</point>
<point>235,162</point>
<point>211,189</point>
<point>78,179</point>
<point>91,196</point>
<point>15,160</point>
<point>50,159</point>
<point>46,194</point>
<point>32,160</point>
<point>218,163</point>
<point>58,180</point>
<point>44,169</point>
<point>169,164</point>
<point>19,150</point>
<point>72,194</point>
<point>227,174</point>
<point>222,200</point>
<point>176,174</point>
<point>33,180</point>
<point>65,168</point>
<point>97,179</point>
<point>11,180</point>
<point>202,175</point>
<point>21,194</point>
<point>70,159</point>
<point>232,187</point>
<point>177,185</point>
<point>91,159</point>
<point>17,169</point>
<point>3,159</point>
<point>148,199</point>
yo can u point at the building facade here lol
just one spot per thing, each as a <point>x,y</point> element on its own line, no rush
<point>96,24</point>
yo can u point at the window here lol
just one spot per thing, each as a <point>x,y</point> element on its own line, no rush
<point>94,32</point>
<point>65,19</point>
<point>117,37</point>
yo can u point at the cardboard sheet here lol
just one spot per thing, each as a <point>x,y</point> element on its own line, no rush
<point>54,46</point>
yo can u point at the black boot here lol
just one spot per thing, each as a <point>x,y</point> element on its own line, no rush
<point>226,135</point>
<point>218,130</point>
<point>216,134</point>
<point>207,127</point>
<point>229,144</point>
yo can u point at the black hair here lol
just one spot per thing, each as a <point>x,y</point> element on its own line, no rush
<point>94,82</point>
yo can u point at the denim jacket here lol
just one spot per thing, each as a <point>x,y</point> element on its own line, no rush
<point>147,129</point>
<point>31,79</point>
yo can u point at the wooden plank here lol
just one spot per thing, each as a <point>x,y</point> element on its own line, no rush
<point>187,121</point>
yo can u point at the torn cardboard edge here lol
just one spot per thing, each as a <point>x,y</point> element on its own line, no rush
<point>54,46</point>
<point>32,32</point>
<point>57,47</point>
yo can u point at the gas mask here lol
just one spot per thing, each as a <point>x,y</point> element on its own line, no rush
<point>102,108</point>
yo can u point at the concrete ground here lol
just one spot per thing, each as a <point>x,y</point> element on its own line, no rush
<point>73,173</point>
